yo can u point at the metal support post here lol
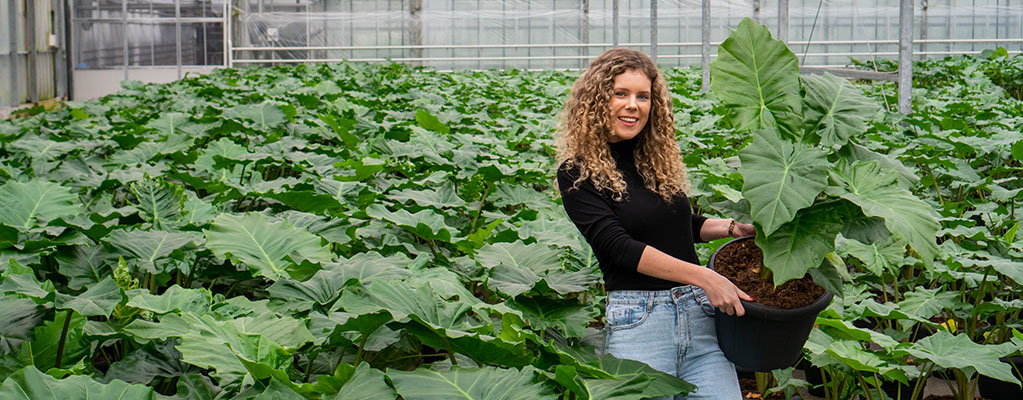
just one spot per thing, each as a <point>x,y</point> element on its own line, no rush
<point>653,30</point>
<point>33,53</point>
<point>415,29</point>
<point>614,23</point>
<point>15,60</point>
<point>177,35</point>
<point>585,32</point>
<point>905,56</point>
<point>783,20</point>
<point>229,34</point>
<point>124,36</point>
<point>60,53</point>
<point>923,30</point>
<point>705,38</point>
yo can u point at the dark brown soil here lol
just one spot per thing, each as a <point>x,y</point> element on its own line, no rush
<point>741,262</point>
<point>749,390</point>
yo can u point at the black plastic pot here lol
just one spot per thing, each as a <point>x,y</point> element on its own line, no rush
<point>766,338</point>
<point>995,389</point>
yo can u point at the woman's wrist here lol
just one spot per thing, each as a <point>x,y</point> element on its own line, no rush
<point>730,231</point>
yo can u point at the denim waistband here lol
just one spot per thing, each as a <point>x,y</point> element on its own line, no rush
<point>677,294</point>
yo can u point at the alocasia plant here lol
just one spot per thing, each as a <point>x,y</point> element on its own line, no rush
<point>802,192</point>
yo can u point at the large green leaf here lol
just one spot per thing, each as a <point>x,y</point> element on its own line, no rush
<point>878,195</point>
<point>158,202</point>
<point>86,265</point>
<point>240,347</point>
<point>363,383</point>
<point>536,257</point>
<point>960,352</point>
<point>264,116</point>
<point>542,313</point>
<point>469,384</point>
<point>148,362</point>
<point>802,243</point>
<point>174,298</point>
<point>835,110</point>
<point>99,300</point>
<point>22,280</point>
<point>856,152</point>
<point>846,330</point>
<point>23,204</point>
<point>265,247</point>
<point>440,198</point>
<point>327,283</point>
<point>438,322</point>
<point>173,124</point>
<point>780,178</point>
<point>511,280</point>
<point>150,248</point>
<point>18,316</point>
<point>30,384</point>
<point>660,383</point>
<point>404,302</point>
<point>879,258</point>
<point>757,78</point>
<point>426,224</point>
<point>927,303</point>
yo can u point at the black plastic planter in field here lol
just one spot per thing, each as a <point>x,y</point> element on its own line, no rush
<point>766,338</point>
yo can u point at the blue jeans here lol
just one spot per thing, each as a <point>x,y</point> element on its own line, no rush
<point>672,331</point>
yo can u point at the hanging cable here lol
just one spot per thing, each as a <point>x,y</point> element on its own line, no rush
<point>812,27</point>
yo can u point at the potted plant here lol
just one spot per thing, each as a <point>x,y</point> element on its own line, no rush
<point>806,181</point>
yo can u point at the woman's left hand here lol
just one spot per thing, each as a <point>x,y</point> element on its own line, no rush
<point>743,230</point>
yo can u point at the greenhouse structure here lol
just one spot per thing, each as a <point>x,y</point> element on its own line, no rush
<point>507,199</point>
<point>82,49</point>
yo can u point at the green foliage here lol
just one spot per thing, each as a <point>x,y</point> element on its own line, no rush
<point>355,230</point>
<point>783,172</point>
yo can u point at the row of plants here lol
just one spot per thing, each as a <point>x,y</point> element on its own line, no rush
<point>376,231</point>
<point>332,231</point>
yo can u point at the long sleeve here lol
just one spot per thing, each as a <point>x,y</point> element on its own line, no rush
<point>596,220</point>
<point>698,221</point>
<point>620,231</point>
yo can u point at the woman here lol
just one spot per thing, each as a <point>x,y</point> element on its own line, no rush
<point>624,186</point>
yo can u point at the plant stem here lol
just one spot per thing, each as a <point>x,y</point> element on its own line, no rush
<point>340,359</point>
<point>63,338</point>
<point>763,381</point>
<point>451,354</point>
<point>479,211</point>
<point>241,176</point>
<point>935,182</point>
<point>358,354</point>
<point>309,367</point>
<point>433,249</point>
<point>863,386</point>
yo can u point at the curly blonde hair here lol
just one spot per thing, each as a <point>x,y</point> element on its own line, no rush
<point>586,125</point>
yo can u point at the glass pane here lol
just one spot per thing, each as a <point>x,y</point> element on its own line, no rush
<point>97,9</point>
<point>202,44</point>
<point>99,45</point>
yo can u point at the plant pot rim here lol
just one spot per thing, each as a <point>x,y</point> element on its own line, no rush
<point>760,311</point>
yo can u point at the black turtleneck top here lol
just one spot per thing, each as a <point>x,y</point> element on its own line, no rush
<point>619,231</point>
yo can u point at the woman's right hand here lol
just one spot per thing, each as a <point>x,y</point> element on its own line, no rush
<point>723,294</point>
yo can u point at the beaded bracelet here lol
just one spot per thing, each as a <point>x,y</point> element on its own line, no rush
<point>731,228</point>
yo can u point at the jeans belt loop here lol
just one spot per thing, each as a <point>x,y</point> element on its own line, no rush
<point>650,302</point>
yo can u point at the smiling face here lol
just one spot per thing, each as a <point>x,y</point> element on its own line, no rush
<point>630,105</point>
